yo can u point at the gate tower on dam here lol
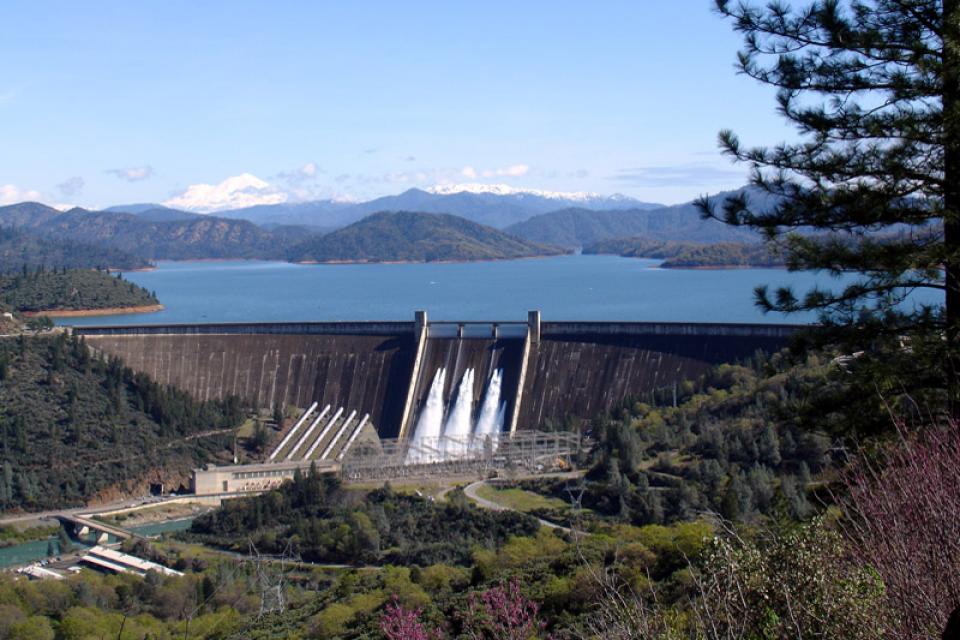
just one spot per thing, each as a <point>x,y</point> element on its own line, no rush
<point>390,375</point>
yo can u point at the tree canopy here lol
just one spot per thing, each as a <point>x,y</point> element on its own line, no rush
<point>871,88</point>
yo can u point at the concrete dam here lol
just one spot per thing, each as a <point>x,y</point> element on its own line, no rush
<point>391,373</point>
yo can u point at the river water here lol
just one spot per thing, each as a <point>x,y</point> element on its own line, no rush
<point>20,554</point>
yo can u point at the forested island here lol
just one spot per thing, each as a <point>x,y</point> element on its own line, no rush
<point>417,237</point>
<point>72,292</point>
<point>690,255</point>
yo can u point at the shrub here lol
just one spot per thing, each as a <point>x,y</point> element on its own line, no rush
<point>903,510</point>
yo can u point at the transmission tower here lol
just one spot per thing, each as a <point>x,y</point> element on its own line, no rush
<point>271,579</point>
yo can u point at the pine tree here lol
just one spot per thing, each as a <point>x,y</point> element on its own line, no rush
<point>873,88</point>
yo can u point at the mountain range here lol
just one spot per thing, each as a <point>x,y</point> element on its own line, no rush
<point>580,227</point>
<point>478,223</point>
<point>496,206</point>
<point>182,236</point>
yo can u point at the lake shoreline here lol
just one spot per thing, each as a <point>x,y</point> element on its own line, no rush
<point>720,267</point>
<point>389,262</point>
<point>82,313</point>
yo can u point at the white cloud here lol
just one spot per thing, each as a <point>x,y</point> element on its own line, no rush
<point>513,171</point>
<point>245,190</point>
<point>11,194</point>
<point>71,187</point>
<point>132,174</point>
<point>299,175</point>
<point>693,174</point>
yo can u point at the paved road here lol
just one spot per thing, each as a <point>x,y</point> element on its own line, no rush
<point>471,492</point>
<point>109,506</point>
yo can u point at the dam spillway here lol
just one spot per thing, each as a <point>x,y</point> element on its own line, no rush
<point>548,371</point>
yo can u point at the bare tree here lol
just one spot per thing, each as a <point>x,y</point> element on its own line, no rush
<point>903,519</point>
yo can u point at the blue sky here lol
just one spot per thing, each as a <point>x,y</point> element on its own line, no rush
<point>109,102</point>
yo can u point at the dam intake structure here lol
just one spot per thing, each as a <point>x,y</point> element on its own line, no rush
<point>442,390</point>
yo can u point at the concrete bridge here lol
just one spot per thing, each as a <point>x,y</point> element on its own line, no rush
<point>83,527</point>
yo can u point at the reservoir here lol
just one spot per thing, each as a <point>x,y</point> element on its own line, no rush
<point>575,287</point>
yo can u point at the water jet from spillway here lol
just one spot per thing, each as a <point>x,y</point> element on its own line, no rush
<point>430,425</point>
<point>490,422</point>
<point>460,421</point>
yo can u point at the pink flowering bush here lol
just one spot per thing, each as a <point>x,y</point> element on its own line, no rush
<point>398,623</point>
<point>499,613</point>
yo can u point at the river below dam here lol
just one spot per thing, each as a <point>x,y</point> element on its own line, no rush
<point>36,550</point>
<point>575,287</point>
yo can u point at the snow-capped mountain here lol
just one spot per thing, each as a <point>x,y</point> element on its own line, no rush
<point>507,190</point>
<point>494,205</point>
<point>238,191</point>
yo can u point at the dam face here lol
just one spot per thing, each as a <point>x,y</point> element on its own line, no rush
<point>585,369</point>
<point>343,365</point>
<point>545,372</point>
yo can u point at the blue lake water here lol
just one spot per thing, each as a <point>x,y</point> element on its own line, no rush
<point>563,288</point>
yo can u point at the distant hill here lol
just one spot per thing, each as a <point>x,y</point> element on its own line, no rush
<point>690,255</point>
<point>327,214</point>
<point>154,212</point>
<point>186,236</point>
<point>493,205</point>
<point>19,248</point>
<point>27,215</point>
<point>582,227</point>
<point>293,234</point>
<point>416,237</point>
<point>163,214</point>
<point>135,208</point>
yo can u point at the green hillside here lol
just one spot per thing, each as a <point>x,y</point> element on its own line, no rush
<point>690,255</point>
<point>73,427</point>
<point>18,248</point>
<point>70,290</point>
<point>199,237</point>
<point>152,235</point>
<point>416,237</point>
<point>332,524</point>
<point>583,227</point>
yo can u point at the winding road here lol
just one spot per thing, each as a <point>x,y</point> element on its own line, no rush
<point>471,492</point>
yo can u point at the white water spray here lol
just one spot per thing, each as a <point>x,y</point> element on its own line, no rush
<point>460,421</point>
<point>430,424</point>
<point>495,437</point>
<point>490,422</point>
